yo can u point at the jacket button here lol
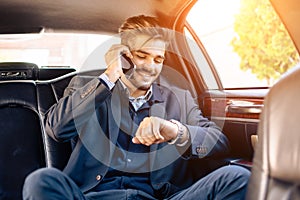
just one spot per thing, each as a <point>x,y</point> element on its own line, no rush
<point>98,177</point>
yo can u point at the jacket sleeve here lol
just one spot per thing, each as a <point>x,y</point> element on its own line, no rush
<point>206,138</point>
<point>64,118</point>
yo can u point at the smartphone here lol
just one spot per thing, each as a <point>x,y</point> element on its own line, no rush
<point>127,63</point>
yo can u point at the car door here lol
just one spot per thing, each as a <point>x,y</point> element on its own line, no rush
<point>229,89</point>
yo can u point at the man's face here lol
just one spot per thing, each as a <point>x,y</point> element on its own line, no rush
<point>148,57</point>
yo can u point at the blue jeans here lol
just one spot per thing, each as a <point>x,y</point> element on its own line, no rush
<point>225,183</point>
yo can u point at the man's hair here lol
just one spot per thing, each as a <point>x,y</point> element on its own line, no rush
<point>139,22</point>
<point>142,24</point>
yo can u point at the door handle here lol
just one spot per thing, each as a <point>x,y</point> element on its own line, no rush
<point>244,107</point>
<point>253,109</point>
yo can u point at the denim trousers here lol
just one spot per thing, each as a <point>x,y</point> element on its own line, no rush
<point>225,183</point>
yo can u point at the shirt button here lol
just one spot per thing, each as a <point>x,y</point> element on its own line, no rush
<point>128,160</point>
<point>98,177</point>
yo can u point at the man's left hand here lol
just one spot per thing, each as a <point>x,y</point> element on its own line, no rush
<point>153,130</point>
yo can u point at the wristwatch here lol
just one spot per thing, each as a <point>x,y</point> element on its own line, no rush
<point>180,132</point>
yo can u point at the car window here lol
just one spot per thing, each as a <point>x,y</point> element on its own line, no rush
<point>55,49</point>
<point>245,40</point>
<point>204,67</point>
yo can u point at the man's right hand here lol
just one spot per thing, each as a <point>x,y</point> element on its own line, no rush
<point>113,61</point>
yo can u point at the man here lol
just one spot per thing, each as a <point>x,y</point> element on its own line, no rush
<point>134,139</point>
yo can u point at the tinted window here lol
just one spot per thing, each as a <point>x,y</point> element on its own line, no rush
<point>245,40</point>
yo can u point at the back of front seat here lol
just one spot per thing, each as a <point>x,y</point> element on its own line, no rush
<point>276,167</point>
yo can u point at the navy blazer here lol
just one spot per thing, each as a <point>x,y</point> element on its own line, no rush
<point>91,114</point>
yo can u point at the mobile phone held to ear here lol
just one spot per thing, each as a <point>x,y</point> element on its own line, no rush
<point>127,64</point>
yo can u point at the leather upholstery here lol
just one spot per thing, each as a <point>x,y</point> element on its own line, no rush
<point>24,145</point>
<point>49,92</point>
<point>21,138</point>
<point>276,167</point>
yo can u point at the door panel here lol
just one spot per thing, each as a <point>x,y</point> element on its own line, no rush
<point>237,112</point>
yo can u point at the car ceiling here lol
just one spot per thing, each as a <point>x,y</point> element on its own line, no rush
<point>21,16</point>
<point>289,11</point>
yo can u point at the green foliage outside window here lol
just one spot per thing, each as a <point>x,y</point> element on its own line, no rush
<point>262,42</point>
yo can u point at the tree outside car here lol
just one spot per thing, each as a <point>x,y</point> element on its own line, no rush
<point>262,42</point>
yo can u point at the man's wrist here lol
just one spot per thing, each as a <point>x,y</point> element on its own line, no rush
<point>106,80</point>
<point>182,134</point>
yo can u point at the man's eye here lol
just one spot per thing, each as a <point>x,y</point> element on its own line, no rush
<point>158,61</point>
<point>141,56</point>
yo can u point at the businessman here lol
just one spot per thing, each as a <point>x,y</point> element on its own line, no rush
<point>133,138</point>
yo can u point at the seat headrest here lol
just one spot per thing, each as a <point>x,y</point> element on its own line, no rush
<point>18,93</point>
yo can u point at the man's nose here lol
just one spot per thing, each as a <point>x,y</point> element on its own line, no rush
<point>149,63</point>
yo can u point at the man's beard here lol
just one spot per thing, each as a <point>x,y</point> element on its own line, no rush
<point>135,82</point>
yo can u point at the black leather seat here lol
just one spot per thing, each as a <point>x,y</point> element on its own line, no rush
<point>24,145</point>
<point>21,136</point>
<point>49,92</point>
<point>276,167</point>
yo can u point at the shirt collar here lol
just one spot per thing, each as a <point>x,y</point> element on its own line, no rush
<point>147,96</point>
<point>153,95</point>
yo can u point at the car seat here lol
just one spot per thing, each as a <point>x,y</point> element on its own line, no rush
<point>276,165</point>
